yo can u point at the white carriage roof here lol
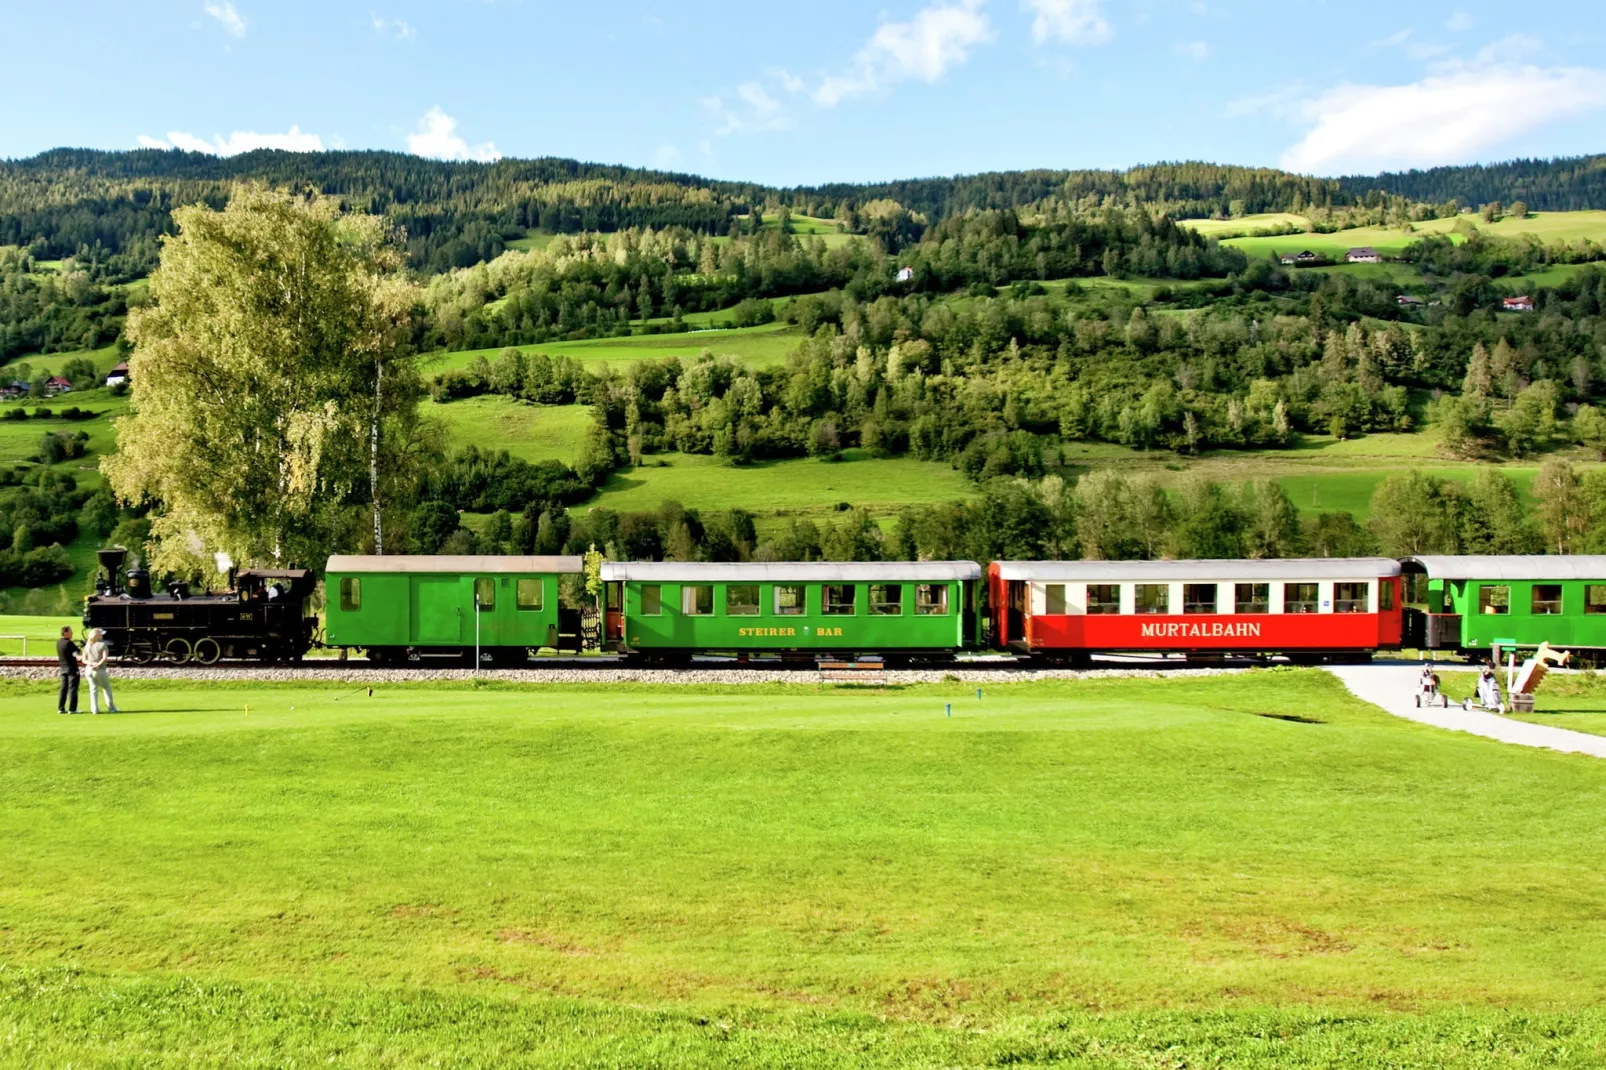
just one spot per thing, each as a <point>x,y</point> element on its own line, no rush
<point>452,563</point>
<point>791,571</point>
<point>1514,567</point>
<point>1311,568</point>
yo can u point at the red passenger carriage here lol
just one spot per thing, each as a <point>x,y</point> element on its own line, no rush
<point>1312,609</point>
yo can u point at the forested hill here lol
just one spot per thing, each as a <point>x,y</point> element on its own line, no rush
<point>113,205</point>
<point>1561,185</point>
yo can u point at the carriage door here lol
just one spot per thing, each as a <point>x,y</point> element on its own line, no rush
<point>1016,595</point>
<point>614,617</point>
<point>438,610</point>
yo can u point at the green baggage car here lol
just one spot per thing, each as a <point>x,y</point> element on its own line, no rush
<point>409,607</point>
<point>898,608</point>
<point>1472,604</point>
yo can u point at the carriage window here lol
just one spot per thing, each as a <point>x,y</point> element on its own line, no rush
<point>788,600</point>
<point>1198,598</point>
<point>485,593</point>
<point>1349,598</point>
<point>886,599</point>
<point>1152,598</point>
<point>1104,598</point>
<point>1054,598</point>
<point>836,599</point>
<point>697,599</point>
<point>530,594</point>
<point>1300,598</point>
<point>931,600</point>
<point>1385,596</point>
<point>741,600</point>
<point>350,594</point>
<point>1252,598</point>
<point>652,600</point>
<point>1546,599</point>
<point>1493,601</point>
<point>1595,598</point>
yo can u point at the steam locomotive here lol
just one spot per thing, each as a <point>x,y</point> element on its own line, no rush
<point>261,617</point>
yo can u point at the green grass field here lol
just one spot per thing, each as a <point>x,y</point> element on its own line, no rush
<point>759,346</point>
<point>1226,228</point>
<point>773,489</point>
<point>105,358</point>
<point>1547,226</point>
<point>529,431</point>
<point>1100,873</point>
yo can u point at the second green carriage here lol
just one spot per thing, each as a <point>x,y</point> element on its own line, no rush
<point>897,607</point>
<point>1473,604</point>
<point>407,608</point>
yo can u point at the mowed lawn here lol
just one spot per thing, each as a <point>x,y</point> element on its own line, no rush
<point>768,344</point>
<point>1575,701</point>
<point>1118,873</point>
<point>803,487</point>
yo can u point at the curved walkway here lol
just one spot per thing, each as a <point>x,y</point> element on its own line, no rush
<point>1393,688</point>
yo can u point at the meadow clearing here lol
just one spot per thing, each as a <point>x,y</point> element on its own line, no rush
<point>1113,873</point>
<point>1391,241</point>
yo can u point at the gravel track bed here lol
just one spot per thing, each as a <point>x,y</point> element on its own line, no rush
<point>618,676</point>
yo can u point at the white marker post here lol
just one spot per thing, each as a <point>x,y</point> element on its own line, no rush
<point>476,633</point>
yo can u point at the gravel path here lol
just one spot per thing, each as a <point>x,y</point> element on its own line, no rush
<point>1393,688</point>
<point>704,676</point>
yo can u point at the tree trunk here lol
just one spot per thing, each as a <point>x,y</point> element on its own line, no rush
<point>373,455</point>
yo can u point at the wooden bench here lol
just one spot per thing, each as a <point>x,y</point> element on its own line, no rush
<point>853,672</point>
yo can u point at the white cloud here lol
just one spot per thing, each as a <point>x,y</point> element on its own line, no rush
<point>1451,116</point>
<point>665,157</point>
<point>292,140</point>
<point>937,38</point>
<point>399,29</point>
<point>755,112</point>
<point>1459,22</point>
<point>233,22</point>
<point>1071,22</point>
<point>1194,50</point>
<point>789,81</point>
<point>437,137</point>
<point>1393,40</point>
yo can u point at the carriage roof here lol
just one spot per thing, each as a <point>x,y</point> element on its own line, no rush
<point>791,571</point>
<point>1313,568</point>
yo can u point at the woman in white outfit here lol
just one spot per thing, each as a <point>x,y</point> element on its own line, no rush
<point>96,658</point>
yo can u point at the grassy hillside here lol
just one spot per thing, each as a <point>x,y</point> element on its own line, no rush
<point>1391,241</point>
<point>1102,873</point>
<point>532,432</point>
<point>759,346</point>
<point>776,489</point>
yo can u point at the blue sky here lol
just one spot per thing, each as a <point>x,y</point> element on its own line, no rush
<point>806,93</point>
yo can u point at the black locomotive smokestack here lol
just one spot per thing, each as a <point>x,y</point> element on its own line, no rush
<point>111,559</point>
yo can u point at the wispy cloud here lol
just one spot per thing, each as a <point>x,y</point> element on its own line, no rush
<point>1451,116</point>
<point>1460,22</point>
<point>665,157</point>
<point>292,140</point>
<point>753,111</point>
<point>437,137</point>
<point>1393,40</point>
<point>1194,50</point>
<point>938,38</point>
<point>399,29</point>
<point>1071,22</point>
<point>233,22</point>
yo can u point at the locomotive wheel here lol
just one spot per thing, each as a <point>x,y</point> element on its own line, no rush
<point>207,651</point>
<point>177,650</point>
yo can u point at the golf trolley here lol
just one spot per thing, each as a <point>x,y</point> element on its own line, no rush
<point>1428,693</point>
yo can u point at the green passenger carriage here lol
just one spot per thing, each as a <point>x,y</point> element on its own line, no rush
<point>1473,604</point>
<point>405,608</point>
<point>894,607</point>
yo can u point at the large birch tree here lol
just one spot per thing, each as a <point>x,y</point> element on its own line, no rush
<point>274,396</point>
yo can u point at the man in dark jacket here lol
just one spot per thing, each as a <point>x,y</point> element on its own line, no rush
<point>67,653</point>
